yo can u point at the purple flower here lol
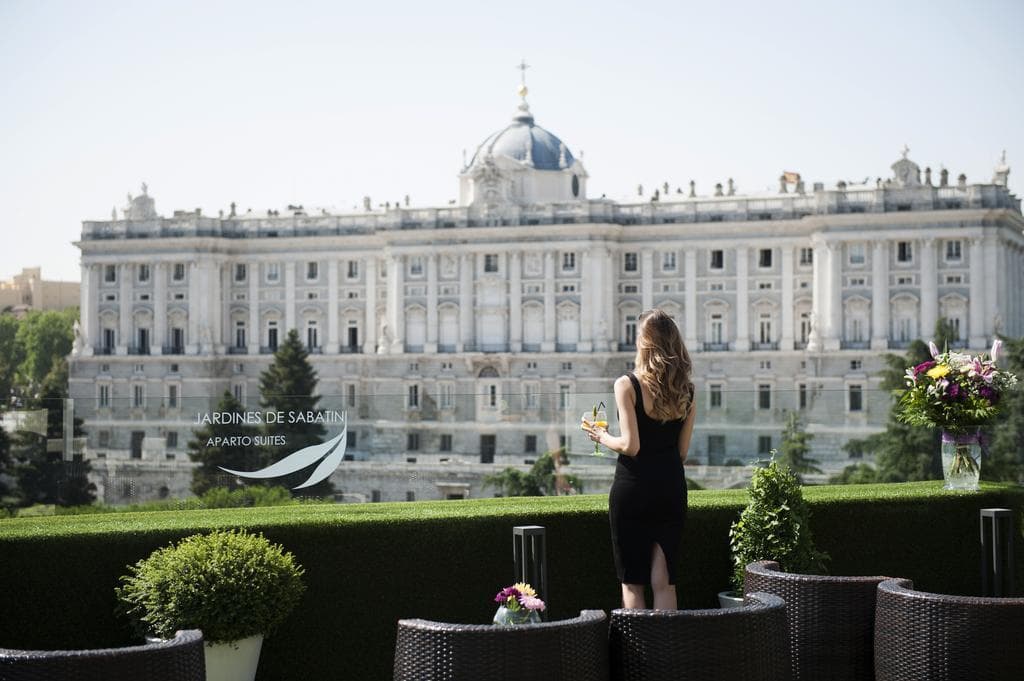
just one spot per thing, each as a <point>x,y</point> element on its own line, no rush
<point>923,367</point>
<point>988,393</point>
<point>505,594</point>
<point>531,603</point>
<point>953,391</point>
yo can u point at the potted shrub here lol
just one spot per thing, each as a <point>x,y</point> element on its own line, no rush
<point>775,525</point>
<point>235,586</point>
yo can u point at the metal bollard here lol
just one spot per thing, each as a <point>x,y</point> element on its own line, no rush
<point>996,552</point>
<point>531,559</point>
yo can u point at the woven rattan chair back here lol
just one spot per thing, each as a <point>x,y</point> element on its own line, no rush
<point>831,621</point>
<point>737,644</point>
<point>921,635</point>
<point>566,650</point>
<point>178,659</point>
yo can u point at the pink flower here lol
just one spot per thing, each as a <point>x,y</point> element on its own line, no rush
<point>531,603</point>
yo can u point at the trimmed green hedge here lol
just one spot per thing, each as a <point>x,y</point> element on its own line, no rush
<point>367,565</point>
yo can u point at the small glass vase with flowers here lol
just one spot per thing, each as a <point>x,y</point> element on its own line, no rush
<point>518,604</point>
<point>959,394</point>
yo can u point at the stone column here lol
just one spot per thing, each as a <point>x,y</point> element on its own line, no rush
<point>646,279</point>
<point>587,301</point>
<point>515,302</point>
<point>929,289</point>
<point>466,263</point>
<point>880,296</point>
<point>819,296</point>
<point>194,296</point>
<point>396,302</point>
<point>431,339</point>
<point>690,282</point>
<point>333,343</point>
<point>255,332</point>
<point>289,297</point>
<point>600,293</point>
<point>834,326</point>
<point>786,337</point>
<point>742,300</point>
<point>159,337</point>
<point>124,335</point>
<point>549,304</point>
<point>976,304</point>
<point>219,312</point>
<point>89,312</point>
<point>992,309</point>
<point>370,312</point>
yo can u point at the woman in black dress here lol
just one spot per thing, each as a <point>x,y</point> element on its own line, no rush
<point>647,502</point>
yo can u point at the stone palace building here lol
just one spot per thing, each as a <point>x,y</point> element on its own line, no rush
<point>464,338</point>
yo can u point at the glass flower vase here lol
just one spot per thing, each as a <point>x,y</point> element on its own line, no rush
<point>508,618</point>
<point>961,460</point>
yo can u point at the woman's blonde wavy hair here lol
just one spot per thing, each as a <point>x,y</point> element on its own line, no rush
<point>663,366</point>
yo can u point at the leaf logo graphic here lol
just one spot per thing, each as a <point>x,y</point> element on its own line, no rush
<point>332,452</point>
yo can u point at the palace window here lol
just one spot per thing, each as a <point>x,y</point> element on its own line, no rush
<point>446,442</point>
<point>413,397</point>
<point>802,396</point>
<point>143,274</point>
<point>764,445</point>
<point>856,398</point>
<point>904,251</point>
<point>178,274</point>
<point>806,256</point>
<point>764,396</point>
<point>717,260</point>
<point>353,269</point>
<point>954,250</point>
<point>138,396</point>
<point>715,396</point>
<point>312,270</point>
<point>110,274</point>
<point>412,441</point>
<point>273,271</point>
<point>416,266</point>
<point>764,258</point>
<point>568,262</point>
<point>530,444</point>
<point>103,396</point>
<point>172,396</point>
<point>629,262</point>
<point>668,261</point>
<point>857,254</point>
<point>491,262</point>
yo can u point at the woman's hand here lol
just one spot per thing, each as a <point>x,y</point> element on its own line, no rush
<point>594,432</point>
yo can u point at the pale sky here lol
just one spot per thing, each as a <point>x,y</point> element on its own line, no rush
<point>322,103</point>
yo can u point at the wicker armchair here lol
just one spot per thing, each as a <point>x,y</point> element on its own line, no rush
<point>936,637</point>
<point>736,644</point>
<point>566,650</point>
<point>179,659</point>
<point>831,621</point>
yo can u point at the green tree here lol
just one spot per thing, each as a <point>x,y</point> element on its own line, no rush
<point>541,480</point>
<point>223,444</point>
<point>903,452</point>
<point>46,336</point>
<point>6,472</point>
<point>43,476</point>
<point>12,354</point>
<point>795,448</point>
<point>288,386</point>
<point>855,474</point>
<point>1004,459</point>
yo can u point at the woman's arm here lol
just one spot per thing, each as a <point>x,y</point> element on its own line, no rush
<point>687,431</point>
<point>628,442</point>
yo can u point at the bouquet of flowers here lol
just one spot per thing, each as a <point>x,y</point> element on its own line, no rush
<point>954,391</point>
<point>519,605</point>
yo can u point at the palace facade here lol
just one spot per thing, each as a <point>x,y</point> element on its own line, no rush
<point>474,335</point>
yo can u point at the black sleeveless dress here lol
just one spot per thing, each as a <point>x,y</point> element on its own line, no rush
<point>647,502</point>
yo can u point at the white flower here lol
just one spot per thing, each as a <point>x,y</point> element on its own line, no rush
<point>933,348</point>
<point>997,345</point>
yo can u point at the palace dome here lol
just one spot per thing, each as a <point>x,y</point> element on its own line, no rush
<point>525,141</point>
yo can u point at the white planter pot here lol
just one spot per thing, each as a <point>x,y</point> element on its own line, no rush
<point>235,661</point>
<point>729,599</point>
